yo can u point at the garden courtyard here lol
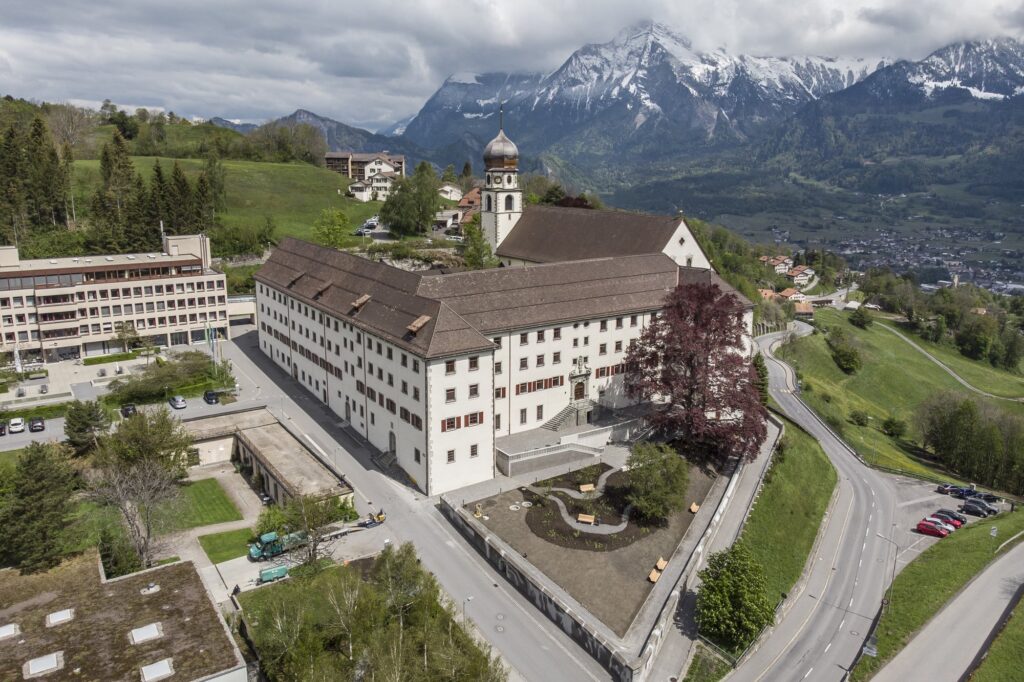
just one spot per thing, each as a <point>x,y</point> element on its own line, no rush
<point>605,567</point>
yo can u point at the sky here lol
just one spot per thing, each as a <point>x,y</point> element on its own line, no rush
<point>370,64</point>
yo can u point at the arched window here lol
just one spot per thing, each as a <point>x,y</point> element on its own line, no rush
<point>508,202</point>
<point>487,203</point>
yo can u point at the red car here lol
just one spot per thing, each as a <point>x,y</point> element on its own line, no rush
<point>946,518</point>
<point>929,528</point>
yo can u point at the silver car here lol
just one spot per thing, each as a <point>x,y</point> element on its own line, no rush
<point>177,402</point>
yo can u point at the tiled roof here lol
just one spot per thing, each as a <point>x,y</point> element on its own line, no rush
<point>547,234</point>
<point>466,307</point>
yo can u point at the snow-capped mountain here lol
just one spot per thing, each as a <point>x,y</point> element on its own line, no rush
<point>647,86</point>
<point>988,69</point>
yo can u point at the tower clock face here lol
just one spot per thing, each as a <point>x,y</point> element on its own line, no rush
<point>497,179</point>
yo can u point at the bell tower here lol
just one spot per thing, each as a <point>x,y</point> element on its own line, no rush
<point>501,199</point>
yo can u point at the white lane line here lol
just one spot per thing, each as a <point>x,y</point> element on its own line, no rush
<point>828,647</point>
<point>872,493</point>
<point>860,563</point>
<point>863,546</point>
<point>870,516</point>
<point>807,673</point>
<point>851,602</point>
<point>842,623</point>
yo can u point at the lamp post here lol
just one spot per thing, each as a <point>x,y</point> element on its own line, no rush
<point>467,599</point>
<point>895,557</point>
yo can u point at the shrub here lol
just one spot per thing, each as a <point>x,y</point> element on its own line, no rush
<point>894,427</point>
<point>859,417</point>
<point>844,352</point>
<point>861,318</point>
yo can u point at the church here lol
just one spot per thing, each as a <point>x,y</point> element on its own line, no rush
<point>437,370</point>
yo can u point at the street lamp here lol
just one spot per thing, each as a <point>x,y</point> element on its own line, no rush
<point>894,559</point>
<point>467,599</point>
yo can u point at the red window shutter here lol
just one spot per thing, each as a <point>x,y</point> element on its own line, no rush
<point>458,422</point>
<point>480,418</point>
<point>444,425</point>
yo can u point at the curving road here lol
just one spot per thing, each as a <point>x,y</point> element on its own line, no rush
<point>820,635</point>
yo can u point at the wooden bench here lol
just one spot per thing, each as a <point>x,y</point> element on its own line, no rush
<point>654,575</point>
<point>586,518</point>
<point>661,564</point>
<point>587,488</point>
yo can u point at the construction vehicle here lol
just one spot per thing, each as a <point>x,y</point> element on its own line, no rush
<point>269,575</point>
<point>373,520</point>
<point>270,545</point>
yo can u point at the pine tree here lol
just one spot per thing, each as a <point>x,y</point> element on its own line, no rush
<point>84,423</point>
<point>467,170</point>
<point>159,196</point>
<point>67,174</point>
<point>477,252</point>
<point>41,504</point>
<point>138,230</point>
<point>213,171</point>
<point>203,206</point>
<point>117,554</point>
<point>180,205</point>
<point>762,378</point>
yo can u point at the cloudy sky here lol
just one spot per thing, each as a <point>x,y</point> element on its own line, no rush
<point>370,63</point>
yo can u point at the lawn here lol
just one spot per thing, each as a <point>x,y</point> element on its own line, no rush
<point>202,503</point>
<point>9,460</point>
<point>706,667</point>
<point>927,583</point>
<point>785,520</point>
<point>981,375</point>
<point>230,544</point>
<point>292,194</point>
<point>894,380</point>
<point>1005,659</point>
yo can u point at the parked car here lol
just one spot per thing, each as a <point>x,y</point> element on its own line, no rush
<point>372,221</point>
<point>128,410</point>
<point>17,425</point>
<point>987,497</point>
<point>964,493</point>
<point>36,424</point>
<point>941,523</point>
<point>457,238</point>
<point>978,508</point>
<point>949,513</point>
<point>362,232</point>
<point>211,398</point>
<point>177,402</point>
<point>946,488</point>
<point>44,389</point>
<point>946,518</point>
<point>927,528</point>
<point>266,499</point>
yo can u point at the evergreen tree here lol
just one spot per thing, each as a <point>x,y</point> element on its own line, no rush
<point>467,170</point>
<point>213,171</point>
<point>180,205</point>
<point>203,206</point>
<point>159,197</point>
<point>762,378</point>
<point>84,423</point>
<point>40,507</point>
<point>477,251</point>
<point>117,554</point>
<point>449,174</point>
<point>119,176</point>
<point>67,174</point>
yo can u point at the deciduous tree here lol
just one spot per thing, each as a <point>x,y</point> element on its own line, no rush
<point>691,359</point>
<point>331,227</point>
<point>657,480</point>
<point>733,604</point>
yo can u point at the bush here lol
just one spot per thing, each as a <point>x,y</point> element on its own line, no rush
<point>894,427</point>
<point>860,318</point>
<point>844,352</point>
<point>188,373</point>
<point>732,602</point>
<point>859,417</point>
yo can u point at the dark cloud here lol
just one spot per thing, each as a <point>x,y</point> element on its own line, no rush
<point>257,59</point>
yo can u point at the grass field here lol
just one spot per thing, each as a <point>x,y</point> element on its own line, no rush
<point>9,460</point>
<point>931,580</point>
<point>788,513</point>
<point>706,667</point>
<point>894,380</point>
<point>1005,659</point>
<point>292,194</point>
<point>230,544</point>
<point>203,503</point>
<point>981,375</point>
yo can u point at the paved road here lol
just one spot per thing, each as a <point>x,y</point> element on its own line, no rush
<point>821,634</point>
<point>959,631</point>
<point>953,374</point>
<point>527,640</point>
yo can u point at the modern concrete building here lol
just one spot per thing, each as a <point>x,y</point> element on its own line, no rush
<point>67,307</point>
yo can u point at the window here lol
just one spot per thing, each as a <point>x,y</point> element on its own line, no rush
<point>473,450</point>
<point>497,367</point>
<point>575,343</point>
<point>556,334</point>
<point>540,412</point>
<point>416,366</point>
<point>405,387</point>
<point>604,325</point>
<point>556,358</point>
<point>524,339</point>
<point>451,456</point>
<point>416,393</point>
<point>586,340</point>
<point>540,360</point>
<point>497,422</point>
<point>474,363</point>
<point>416,455</point>
<point>618,346</point>
<point>449,367</point>
<point>602,349</point>
<point>618,323</point>
<point>474,419</point>
<point>508,202</point>
<point>474,390</point>
<point>449,395</point>
<point>524,363</point>
<point>632,320</point>
<point>450,424</point>
<point>500,392</point>
<point>540,336</point>
<point>405,360</point>
<point>497,341</point>
<point>522,416</point>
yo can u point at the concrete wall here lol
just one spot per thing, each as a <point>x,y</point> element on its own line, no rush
<point>622,667</point>
<point>216,450</point>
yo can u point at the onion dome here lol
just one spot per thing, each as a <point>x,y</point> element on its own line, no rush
<point>501,153</point>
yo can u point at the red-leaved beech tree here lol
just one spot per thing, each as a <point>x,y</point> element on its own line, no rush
<point>691,359</point>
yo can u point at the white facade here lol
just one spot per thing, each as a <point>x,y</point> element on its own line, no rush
<point>501,204</point>
<point>68,307</point>
<point>374,188</point>
<point>450,191</point>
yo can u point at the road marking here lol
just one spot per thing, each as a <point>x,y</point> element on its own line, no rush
<point>807,673</point>
<point>863,546</point>
<point>860,563</point>
<point>929,498</point>
<point>828,647</point>
<point>851,603</point>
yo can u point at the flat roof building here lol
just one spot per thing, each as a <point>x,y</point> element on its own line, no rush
<point>58,308</point>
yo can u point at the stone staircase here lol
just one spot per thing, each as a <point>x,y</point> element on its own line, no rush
<point>569,416</point>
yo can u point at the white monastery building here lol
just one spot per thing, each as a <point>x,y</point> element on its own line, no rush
<point>431,367</point>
